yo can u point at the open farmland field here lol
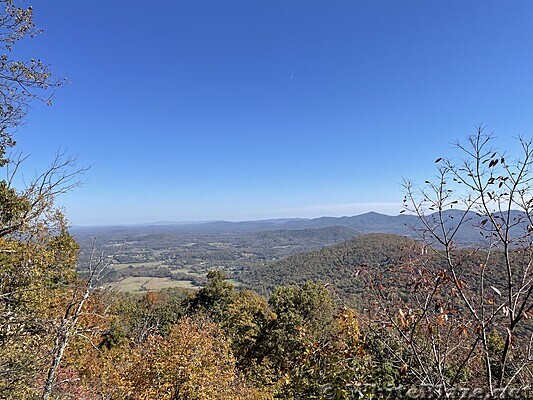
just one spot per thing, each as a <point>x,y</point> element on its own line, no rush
<point>144,283</point>
<point>150,264</point>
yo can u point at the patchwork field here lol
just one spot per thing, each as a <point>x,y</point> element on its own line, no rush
<point>150,264</point>
<point>146,283</point>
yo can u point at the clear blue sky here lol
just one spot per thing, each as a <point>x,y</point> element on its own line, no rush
<point>197,110</point>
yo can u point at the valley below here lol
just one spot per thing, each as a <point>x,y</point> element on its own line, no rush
<point>254,254</point>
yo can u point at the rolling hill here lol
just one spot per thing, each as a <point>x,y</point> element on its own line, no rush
<point>336,265</point>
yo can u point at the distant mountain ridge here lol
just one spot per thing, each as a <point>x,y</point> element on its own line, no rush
<point>371,222</point>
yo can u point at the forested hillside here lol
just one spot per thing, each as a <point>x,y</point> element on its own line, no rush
<point>339,265</point>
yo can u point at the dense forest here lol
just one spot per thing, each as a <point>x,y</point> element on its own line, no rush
<point>376,316</point>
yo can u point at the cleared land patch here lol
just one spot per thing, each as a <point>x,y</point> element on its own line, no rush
<point>149,264</point>
<point>145,283</point>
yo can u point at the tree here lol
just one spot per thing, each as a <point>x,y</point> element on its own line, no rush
<point>40,298</point>
<point>68,326</point>
<point>215,297</point>
<point>304,317</point>
<point>134,317</point>
<point>193,361</point>
<point>32,276</point>
<point>38,260</point>
<point>244,323</point>
<point>310,348</point>
<point>20,81</point>
<point>464,314</point>
<point>335,366</point>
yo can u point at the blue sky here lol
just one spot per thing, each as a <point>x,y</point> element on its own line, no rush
<point>239,110</point>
